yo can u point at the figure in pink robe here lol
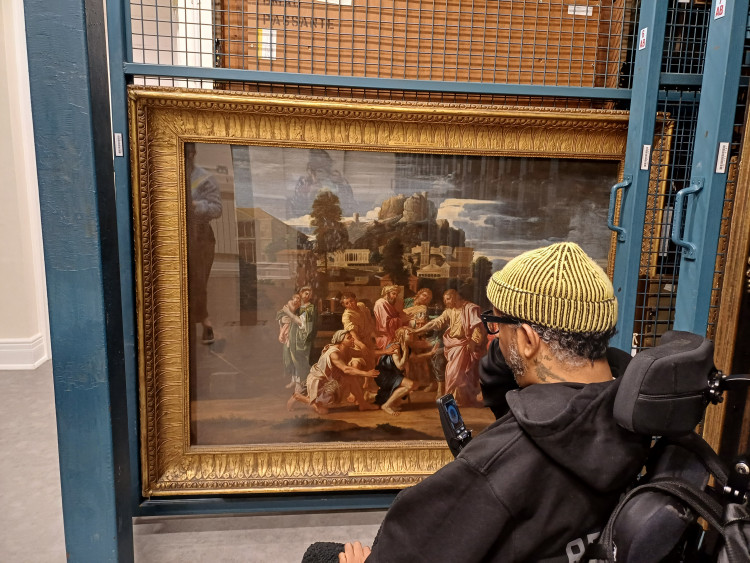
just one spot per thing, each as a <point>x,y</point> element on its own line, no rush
<point>389,316</point>
<point>463,340</point>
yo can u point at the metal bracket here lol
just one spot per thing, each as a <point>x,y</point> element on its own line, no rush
<point>688,248</point>
<point>738,482</point>
<point>626,183</point>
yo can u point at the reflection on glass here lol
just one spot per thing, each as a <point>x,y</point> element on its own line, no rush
<point>344,287</point>
<point>203,200</point>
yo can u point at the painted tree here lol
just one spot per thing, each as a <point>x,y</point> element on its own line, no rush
<point>330,232</point>
<point>481,271</point>
<point>393,261</point>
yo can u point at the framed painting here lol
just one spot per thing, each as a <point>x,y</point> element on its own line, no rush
<point>303,265</point>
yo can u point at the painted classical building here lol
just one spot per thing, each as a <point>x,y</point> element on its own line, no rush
<point>442,261</point>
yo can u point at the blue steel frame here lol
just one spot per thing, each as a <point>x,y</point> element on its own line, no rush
<point>226,74</point>
<point>641,124</point>
<point>86,218</point>
<point>70,103</point>
<point>700,237</point>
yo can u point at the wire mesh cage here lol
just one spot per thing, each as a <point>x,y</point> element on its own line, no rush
<point>582,43</point>
<point>659,273</point>
<point>547,42</point>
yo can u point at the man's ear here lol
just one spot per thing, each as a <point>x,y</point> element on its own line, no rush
<point>528,341</point>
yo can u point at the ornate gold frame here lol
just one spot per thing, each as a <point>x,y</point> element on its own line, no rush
<point>161,121</point>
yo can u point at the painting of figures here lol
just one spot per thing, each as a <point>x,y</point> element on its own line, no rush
<point>310,274</point>
<point>335,294</point>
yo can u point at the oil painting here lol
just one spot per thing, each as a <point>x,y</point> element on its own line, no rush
<point>312,273</point>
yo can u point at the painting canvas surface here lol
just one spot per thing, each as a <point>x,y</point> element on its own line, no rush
<point>266,224</point>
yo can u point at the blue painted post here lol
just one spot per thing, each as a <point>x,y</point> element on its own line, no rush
<point>643,104</point>
<point>73,147</point>
<point>713,136</point>
<point>120,49</point>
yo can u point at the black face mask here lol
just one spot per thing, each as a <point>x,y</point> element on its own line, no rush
<point>495,379</point>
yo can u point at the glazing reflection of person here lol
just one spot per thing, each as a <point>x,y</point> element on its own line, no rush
<point>463,340</point>
<point>301,338</point>
<point>203,205</point>
<point>320,175</point>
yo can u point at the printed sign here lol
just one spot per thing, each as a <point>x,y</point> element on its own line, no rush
<point>720,9</point>
<point>642,40</point>
<point>645,157</point>
<point>119,151</point>
<point>581,11</point>
<point>721,158</point>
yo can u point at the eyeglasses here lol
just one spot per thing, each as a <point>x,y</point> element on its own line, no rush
<point>491,321</point>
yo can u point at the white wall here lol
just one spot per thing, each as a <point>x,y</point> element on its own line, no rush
<point>24,324</point>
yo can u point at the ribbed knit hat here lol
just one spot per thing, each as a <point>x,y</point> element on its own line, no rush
<point>557,286</point>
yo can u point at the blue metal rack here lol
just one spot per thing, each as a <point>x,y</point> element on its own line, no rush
<point>86,214</point>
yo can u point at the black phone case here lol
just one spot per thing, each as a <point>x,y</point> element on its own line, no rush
<point>454,429</point>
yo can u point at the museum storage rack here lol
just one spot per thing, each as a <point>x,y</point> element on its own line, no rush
<point>685,62</point>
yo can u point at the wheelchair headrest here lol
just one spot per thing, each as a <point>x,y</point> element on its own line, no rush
<point>664,390</point>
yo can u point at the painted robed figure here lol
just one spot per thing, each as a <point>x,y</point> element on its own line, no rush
<point>464,341</point>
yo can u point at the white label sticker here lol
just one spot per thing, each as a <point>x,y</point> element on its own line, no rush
<point>338,2</point>
<point>642,40</point>
<point>581,11</point>
<point>720,9</point>
<point>267,44</point>
<point>118,145</point>
<point>645,157</point>
<point>721,158</point>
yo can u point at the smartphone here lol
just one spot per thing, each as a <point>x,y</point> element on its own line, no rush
<point>456,433</point>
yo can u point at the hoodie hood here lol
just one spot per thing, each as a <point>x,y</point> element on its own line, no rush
<point>574,425</point>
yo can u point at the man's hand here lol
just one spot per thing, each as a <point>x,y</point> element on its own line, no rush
<point>354,553</point>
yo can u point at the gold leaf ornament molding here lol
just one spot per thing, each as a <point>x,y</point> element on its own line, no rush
<point>161,121</point>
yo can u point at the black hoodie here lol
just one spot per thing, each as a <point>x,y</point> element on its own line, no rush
<point>537,485</point>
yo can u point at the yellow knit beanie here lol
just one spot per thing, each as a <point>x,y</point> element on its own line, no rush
<point>557,286</point>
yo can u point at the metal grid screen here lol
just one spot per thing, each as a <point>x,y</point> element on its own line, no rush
<point>670,172</point>
<point>685,37</point>
<point>685,44</point>
<point>540,42</point>
<point>545,42</point>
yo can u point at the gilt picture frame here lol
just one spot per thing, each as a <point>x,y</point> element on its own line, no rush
<point>197,435</point>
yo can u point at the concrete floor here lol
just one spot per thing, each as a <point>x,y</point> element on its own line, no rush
<point>31,528</point>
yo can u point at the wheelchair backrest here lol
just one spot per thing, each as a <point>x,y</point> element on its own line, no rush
<point>664,393</point>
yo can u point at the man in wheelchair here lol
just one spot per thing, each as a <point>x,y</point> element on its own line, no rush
<point>576,425</point>
<point>539,483</point>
